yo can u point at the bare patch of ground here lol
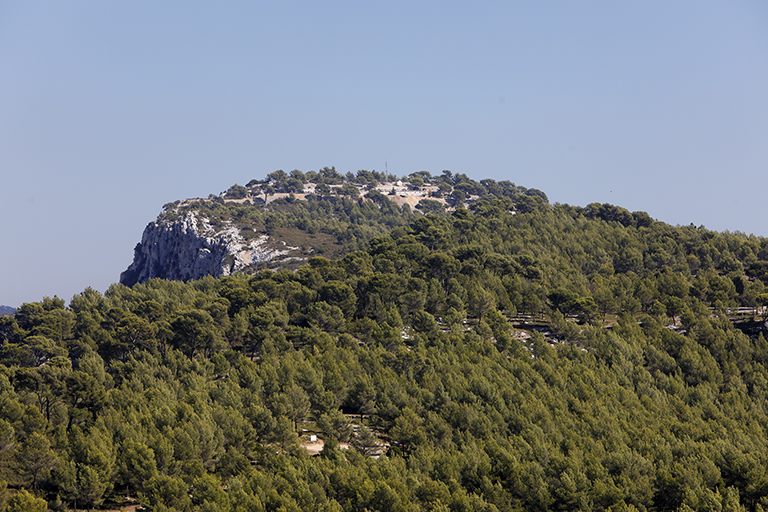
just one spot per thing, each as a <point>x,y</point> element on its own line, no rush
<point>313,447</point>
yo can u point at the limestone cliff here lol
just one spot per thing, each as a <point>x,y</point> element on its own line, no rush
<point>189,248</point>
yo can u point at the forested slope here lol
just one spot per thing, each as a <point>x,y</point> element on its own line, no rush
<point>628,388</point>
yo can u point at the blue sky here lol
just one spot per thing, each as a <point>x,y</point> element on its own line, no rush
<point>111,109</point>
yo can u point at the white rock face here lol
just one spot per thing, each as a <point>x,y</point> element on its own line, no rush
<point>190,248</point>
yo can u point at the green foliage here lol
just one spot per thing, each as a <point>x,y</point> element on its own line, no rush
<point>23,501</point>
<point>236,192</point>
<point>555,358</point>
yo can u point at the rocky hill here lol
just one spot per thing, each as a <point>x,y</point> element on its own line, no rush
<point>508,355</point>
<point>285,219</point>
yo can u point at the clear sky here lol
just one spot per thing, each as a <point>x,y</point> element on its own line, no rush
<point>108,110</point>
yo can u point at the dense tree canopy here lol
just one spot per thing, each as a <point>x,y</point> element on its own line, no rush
<point>511,356</point>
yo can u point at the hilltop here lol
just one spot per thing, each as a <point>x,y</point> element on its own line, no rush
<point>284,219</point>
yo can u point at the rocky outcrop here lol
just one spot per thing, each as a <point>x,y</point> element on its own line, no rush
<point>190,248</point>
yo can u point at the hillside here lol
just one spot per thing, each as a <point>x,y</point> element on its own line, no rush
<point>501,354</point>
